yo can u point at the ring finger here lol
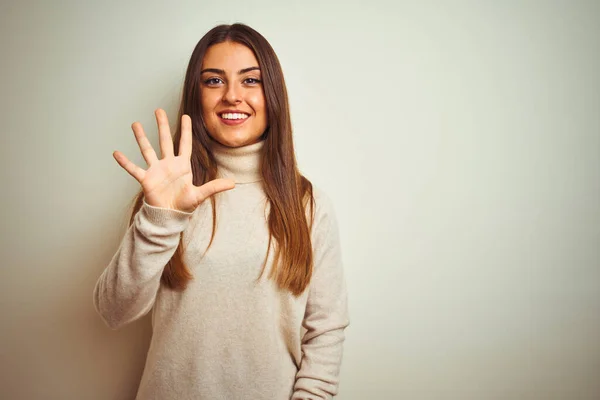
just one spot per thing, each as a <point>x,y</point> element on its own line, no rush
<point>145,147</point>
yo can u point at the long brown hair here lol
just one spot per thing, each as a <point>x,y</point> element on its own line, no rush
<point>288,192</point>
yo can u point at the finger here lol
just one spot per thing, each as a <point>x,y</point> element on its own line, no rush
<point>185,142</point>
<point>133,170</point>
<point>164,134</point>
<point>145,146</point>
<point>208,189</point>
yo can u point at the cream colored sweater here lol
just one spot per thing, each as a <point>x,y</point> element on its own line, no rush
<point>229,336</point>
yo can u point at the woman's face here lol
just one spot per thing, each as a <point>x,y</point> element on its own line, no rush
<point>233,100</point>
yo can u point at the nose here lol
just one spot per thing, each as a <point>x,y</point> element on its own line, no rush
<point>233,94</point>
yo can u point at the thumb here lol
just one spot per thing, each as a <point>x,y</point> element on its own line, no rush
<point>215,186</point>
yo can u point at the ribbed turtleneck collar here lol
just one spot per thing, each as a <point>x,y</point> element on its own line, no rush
<point>242,164</point>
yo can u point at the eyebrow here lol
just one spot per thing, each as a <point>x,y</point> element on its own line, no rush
<point>222,72</point>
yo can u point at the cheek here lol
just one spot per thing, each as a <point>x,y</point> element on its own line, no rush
<point>257,102</point>
<point>208,101</point>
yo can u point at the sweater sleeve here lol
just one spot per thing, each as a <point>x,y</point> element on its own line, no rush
<point>127,288</point>
<point>326,314</point>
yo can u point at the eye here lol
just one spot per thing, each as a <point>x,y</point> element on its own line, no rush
<point>252,81</point>
<point>213,81</point>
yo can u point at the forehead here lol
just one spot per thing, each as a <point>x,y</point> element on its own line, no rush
<point>229,56</point>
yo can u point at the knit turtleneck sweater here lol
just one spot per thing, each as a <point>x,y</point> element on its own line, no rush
<point>242,164</point>
<point>229,335</point>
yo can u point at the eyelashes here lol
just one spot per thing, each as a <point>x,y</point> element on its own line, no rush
<point>217,81</point>
<point>212,81</point>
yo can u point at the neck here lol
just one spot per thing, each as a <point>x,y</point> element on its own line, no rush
<point>242,164</point>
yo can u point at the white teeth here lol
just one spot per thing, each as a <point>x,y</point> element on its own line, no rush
<point>234,116</point>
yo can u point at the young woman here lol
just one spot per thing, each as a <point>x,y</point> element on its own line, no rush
<point>233,250</point>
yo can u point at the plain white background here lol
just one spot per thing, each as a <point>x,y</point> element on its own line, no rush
<point>459,142</point>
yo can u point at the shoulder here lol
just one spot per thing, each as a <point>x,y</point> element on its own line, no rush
<point>324,211</point>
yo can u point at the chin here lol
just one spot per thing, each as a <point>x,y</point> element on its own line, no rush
<point>234,142</point>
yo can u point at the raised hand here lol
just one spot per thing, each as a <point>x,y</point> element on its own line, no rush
<point>168,182</point>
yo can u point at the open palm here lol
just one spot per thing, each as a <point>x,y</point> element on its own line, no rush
<point>168,182</point>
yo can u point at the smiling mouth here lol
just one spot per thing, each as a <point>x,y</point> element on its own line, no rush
<point>233,119</point>
<point>234,116</point>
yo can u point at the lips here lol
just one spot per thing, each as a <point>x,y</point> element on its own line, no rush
<point>235,121</point>
<point>232,111</point>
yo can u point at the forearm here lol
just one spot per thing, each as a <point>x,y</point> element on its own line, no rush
<point>127,288</point>
<point>318,376</point>
<point>326,315</point>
